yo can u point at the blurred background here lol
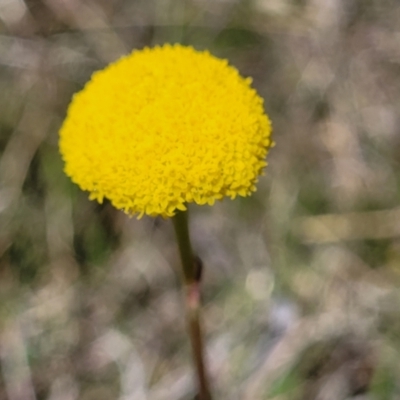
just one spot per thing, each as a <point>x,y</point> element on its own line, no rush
<point>301,282</point>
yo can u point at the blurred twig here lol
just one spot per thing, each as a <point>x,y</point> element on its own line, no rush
<point>340,227</point>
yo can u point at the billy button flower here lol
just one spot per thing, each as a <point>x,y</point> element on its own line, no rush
<point>163,127</point>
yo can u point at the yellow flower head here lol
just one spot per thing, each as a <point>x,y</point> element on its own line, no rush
<point>163,127</point>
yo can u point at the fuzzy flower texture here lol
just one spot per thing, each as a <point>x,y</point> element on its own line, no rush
<point>163,127</point>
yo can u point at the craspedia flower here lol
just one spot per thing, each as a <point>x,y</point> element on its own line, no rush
<point>163,127</point>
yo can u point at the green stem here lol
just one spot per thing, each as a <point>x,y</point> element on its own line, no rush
<point>191,280</point>
<point>180,220</point>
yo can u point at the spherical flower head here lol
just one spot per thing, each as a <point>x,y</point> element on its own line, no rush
<point>163,127</point>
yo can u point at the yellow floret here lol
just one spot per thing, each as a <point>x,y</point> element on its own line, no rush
<point>163,127</point>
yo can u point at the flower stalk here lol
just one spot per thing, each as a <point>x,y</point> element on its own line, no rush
<point>191,274</point>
